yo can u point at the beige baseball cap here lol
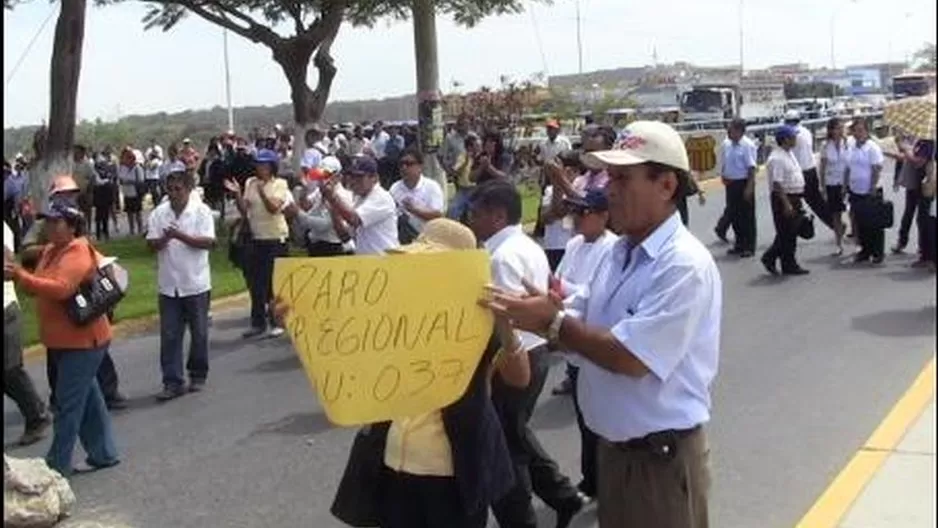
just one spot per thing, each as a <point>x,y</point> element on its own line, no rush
<point>644,142</point>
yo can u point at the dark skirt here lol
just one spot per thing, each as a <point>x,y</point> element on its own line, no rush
<point>133,204</point>
<point>835,198</point>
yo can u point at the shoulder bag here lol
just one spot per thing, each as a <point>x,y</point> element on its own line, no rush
<point>96,296</point>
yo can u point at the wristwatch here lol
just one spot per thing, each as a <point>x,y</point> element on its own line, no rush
<point>553,331</point>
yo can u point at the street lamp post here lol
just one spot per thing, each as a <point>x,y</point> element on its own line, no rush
<point>833,21</point>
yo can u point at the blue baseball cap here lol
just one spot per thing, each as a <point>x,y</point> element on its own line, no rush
<point>60,207</point>
<point>363,166</point>
<point>785,132</point>
<point>266,156</point>
<point>595,200</point>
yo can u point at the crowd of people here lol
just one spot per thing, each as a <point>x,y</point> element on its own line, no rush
<point>617,284</point>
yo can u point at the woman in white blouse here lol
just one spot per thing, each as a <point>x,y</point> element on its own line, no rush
<point>833,172</point>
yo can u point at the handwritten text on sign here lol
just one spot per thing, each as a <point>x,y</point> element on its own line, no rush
<point>386,337</point>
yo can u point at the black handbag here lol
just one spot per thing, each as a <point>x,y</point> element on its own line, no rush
<point>358,498</point>
<point>405,230</point>
<point>239,245</point>
<point>96,296</point>
<point>806,226</point>
<point>874,212</point>
<point>883,214</point>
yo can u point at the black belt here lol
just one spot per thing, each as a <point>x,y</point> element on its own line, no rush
<point>660,443</point>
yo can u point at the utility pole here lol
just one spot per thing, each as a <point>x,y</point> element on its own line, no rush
<point>742,44</point>
<point>579,41</point>
<point>429,104</point>
<point>228,82</point>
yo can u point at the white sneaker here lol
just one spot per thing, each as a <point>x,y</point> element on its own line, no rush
<point>275,331</point>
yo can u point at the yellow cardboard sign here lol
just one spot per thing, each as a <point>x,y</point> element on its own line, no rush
<point>386,337</point>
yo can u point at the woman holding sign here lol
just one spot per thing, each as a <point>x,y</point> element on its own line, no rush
<point>443,468</point>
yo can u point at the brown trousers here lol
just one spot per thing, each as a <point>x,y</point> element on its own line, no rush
<point>655,488</point>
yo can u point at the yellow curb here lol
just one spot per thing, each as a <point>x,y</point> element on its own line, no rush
<point>836,500</point>
<point>145,324</point>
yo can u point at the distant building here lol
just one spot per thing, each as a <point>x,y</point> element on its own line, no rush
<point>885,71</point>
<point>864,81</point>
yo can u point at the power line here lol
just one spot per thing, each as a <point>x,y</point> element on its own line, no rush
<point>16,67</point>
<point>537,36</point>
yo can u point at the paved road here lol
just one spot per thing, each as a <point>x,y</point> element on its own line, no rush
<point>809,367</point>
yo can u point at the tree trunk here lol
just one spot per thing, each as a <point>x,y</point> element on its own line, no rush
<point>294,56</point>
<point>54,157</point>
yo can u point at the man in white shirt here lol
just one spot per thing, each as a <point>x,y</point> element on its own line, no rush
<point>787,186</point>
<point>358,142</point>
<point>379,140</point>
<point>154,150</point>
<point>16,381</point>
<point>454,147</point>
<point>419,199</point>
<point>804,153</point>
<point>555,143</point>
<point>495,217</point>
<point>584,253</point>
<point>182,232</point>
<point>864,169</point>
<point>373,214</point>
<point>322,234</point>
<point>648,342</point>
<point>738,170</point>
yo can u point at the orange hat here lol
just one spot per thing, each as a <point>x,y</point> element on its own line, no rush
<point>316,174</point>
<point>63,183</point>
<point>552,123</point>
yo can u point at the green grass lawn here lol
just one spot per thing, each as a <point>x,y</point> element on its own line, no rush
<point>530,199</point>
<point>141,299</point>
<point>140,262</point>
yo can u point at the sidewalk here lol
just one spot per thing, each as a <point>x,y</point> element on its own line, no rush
<point>902,492</point>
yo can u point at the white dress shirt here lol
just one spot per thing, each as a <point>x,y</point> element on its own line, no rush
<point>862,159</point>
<point>804,149</point>
<point>378,230</point>
<point>426,195</point>
<point>663,301</point>
<point>737,159</point>
<point>560,231</point>
<point>551,149</point>
<point>835,157</point>
<point>581,261</point>
<point>316,222</point>
<point>182,270</point>
<point>783,168</point>
<point>515,256</point>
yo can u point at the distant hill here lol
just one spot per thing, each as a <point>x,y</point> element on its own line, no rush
<point>200,125</point>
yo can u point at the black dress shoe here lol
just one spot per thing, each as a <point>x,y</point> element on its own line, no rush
<point>721,236</point>
<point>570,508</point>
<point>116,401</point>
<point>746,254</point>
<point>795,271</point>
<point>769,264</point>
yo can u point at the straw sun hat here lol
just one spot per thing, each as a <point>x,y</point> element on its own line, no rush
<point>440,234</point>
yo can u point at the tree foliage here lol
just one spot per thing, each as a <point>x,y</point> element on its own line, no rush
<point>925,59</point>
<point>313,26</point>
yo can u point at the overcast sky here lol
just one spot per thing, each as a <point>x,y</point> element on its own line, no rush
<point>126,70</point>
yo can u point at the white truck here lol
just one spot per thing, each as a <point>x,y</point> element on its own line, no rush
<point>716,103</point>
